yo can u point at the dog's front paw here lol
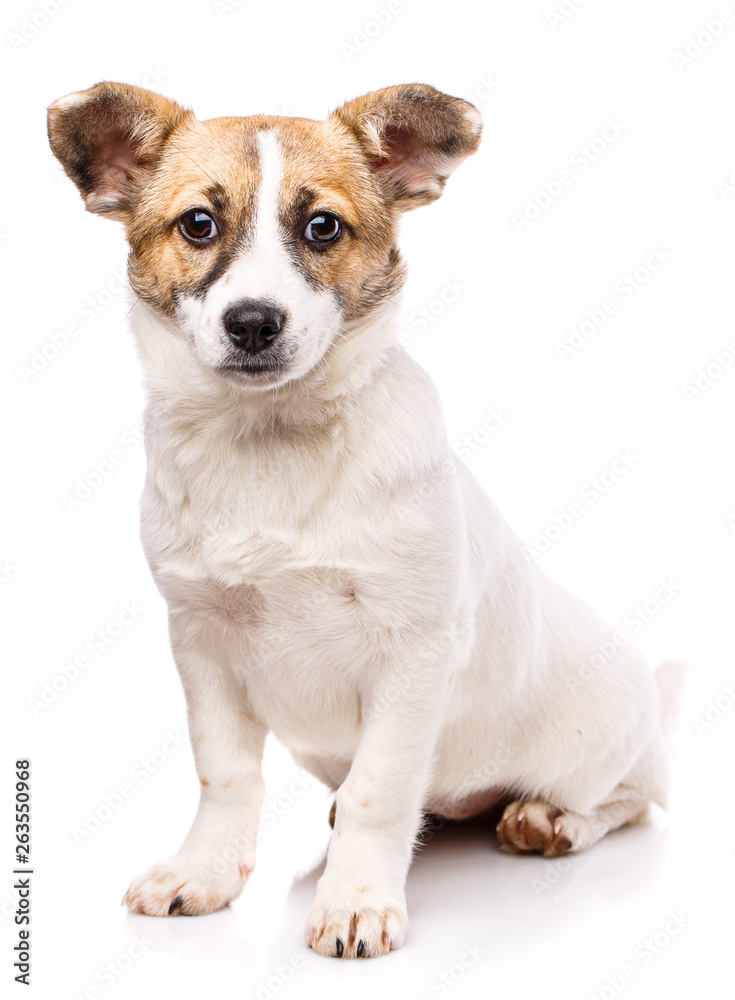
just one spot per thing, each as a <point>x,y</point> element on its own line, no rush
<point>356,929</point>
<point>536,827</point>
<point>186,885</point>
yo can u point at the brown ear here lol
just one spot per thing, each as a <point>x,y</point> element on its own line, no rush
<point>414,137</point>
<point>108,138</point>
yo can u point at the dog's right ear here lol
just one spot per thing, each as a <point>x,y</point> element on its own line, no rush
<point>108,139</point>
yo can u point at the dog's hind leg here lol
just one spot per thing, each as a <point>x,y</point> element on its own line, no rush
<point>535,825</point>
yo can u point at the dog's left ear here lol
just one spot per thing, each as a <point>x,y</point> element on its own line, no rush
<point>414,137</point>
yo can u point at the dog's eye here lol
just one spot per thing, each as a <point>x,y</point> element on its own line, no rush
<point>197,226</point>
<point>323,228</point>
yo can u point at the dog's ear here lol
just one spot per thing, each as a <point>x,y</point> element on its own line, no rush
<point>108,139</point>
<point>414,137</point>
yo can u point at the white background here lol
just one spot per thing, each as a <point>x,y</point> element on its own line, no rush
<point>481,923</point>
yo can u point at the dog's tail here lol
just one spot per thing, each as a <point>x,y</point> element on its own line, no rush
<point>670,677</point>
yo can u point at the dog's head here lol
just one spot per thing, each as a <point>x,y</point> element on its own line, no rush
<point>262,237</point>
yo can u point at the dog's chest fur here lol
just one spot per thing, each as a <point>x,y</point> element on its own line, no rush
<point>288,548</point>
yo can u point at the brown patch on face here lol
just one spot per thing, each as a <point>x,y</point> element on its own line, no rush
<point>212,166</point>
<point>325,170</point>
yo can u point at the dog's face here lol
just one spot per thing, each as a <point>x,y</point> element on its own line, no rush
<point>263,237</point>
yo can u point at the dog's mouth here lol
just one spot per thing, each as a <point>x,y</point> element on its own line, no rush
<point>253,368</point>
<point>253,372</point>
<point>263,368</point>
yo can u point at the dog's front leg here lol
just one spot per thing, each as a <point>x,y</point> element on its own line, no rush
<point>360,908</point>
<point>218,854</point>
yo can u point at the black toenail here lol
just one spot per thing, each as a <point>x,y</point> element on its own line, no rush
<point>340,948</point>
<point>361,949</point>
<point>177,902</point>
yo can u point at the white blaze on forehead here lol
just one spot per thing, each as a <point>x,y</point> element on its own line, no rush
<point>267,229</point>
<point>263,269</point>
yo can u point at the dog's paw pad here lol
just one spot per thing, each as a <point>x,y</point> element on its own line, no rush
<point>355,933</point>
<point>535,827</point>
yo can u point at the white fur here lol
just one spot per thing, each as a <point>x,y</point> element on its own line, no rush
<point>336,575</point>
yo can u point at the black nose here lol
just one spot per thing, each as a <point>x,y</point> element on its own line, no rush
<point>253,325</point>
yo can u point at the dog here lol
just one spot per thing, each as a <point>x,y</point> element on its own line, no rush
<point>334,573</point>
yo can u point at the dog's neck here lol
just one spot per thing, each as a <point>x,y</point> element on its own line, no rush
<point>183,390</point>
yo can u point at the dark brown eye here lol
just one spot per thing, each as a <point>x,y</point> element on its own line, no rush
<point>197,226</point>
<point>323,228</point>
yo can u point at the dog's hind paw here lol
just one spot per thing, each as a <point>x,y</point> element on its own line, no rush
<point>536,827</point>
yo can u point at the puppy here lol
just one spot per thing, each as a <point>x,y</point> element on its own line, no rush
<point>334,574</point>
